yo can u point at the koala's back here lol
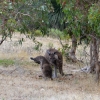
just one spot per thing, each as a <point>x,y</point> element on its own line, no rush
<point>47,70</point>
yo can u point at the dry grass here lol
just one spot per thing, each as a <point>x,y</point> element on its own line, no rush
<point>21,81</point>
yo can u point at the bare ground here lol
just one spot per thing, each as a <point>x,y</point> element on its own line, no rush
<point>21,81</point>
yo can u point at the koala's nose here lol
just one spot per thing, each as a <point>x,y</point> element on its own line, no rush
<point>52,58</point>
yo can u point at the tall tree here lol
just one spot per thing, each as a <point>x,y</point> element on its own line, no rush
<point>94,24</point>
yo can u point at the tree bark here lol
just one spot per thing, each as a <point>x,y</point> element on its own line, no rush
<point>4,21</point>
<point>92,61</point>
<point>72,53</point>
<point>94,54</point>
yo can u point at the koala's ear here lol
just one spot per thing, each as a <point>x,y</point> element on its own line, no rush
<point>56,56</point>
<point>48,52</point>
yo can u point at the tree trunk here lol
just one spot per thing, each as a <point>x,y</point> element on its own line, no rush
<point>94,63</point>
<point>4,21</point>
<point>72,52</point>
<point>96,56</point>
<point>98,43</point>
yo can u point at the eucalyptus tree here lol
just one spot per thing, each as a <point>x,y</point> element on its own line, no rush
<point>64,16</point>
<point>23,16</point>
<point>90,29</point>
<point>77,24</point>
<point>83,18</point>
<point>94,26</point>
<point>7,22</point>
<point>74,19</point>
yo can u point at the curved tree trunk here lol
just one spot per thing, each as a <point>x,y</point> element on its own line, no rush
<point>72,53</point>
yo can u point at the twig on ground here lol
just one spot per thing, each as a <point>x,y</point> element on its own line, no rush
<point>84,69</point>
<point>14,70</point>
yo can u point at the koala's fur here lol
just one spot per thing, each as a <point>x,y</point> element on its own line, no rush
<point>45,66</point>
<point>55,58</point>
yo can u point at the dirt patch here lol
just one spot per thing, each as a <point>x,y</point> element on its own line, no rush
<point>24,84</point>
<point>21,81</point>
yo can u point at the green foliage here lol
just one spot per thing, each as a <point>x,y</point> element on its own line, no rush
<point>56,16</point>
<point>38,33</point>
<point>73,18</point>
<point>94,18</point>
<point>6,62</point>
<point>35,17</point>
<point>11,25</point>
<point>23,16</point>
<point>64,50</point>
<point>55,33</point>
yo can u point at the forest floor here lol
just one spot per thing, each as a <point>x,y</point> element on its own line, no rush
<point>20,81</point>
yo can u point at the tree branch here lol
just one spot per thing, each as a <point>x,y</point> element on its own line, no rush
<point>3,39</point>
<point>60,40</point>
<point>23,14</point>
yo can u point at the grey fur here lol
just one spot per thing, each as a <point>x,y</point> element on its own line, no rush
<point>55,58</point>
<point>45,66</point>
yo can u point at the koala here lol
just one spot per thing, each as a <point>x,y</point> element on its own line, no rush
<point>45,66</point>
<point>55,58</point>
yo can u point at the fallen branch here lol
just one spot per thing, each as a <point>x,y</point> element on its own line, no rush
<point>14,70</point>
<point>84,69</point>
